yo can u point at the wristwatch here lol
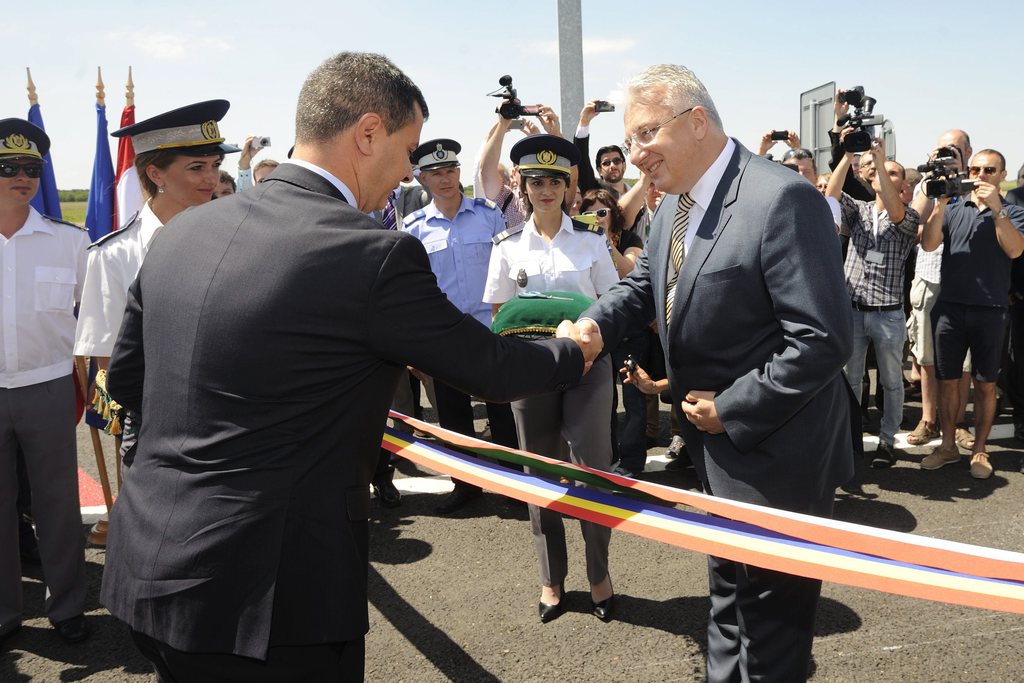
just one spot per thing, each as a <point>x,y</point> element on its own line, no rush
<point>1002,213</point>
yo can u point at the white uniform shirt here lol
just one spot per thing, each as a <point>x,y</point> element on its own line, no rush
<point>43,267</point>
<point>574,261</point>
<point>114,262</point>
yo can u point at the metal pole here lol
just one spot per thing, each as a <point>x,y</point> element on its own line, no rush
<point>570,63</point>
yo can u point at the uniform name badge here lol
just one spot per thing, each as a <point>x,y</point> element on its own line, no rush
<point>874,257</point>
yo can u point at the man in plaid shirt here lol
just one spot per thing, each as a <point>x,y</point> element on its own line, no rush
<point>882,233</point>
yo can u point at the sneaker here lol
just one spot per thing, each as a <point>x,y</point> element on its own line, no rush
<point>923,433</point>
<point>675,448</point>
<point>981,468</point>
<point>885,456</point>
<point>939,457</point>
<point>964,439</point>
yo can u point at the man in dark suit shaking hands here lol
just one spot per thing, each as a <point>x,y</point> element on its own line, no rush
<point>742,273</point>
<point>263,340</point>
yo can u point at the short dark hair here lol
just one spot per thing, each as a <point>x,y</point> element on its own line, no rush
<point>605,197</point>
<point>605,150</point>
<point>349,85</point>
<point>1002,159</point>
<point>225,177</point>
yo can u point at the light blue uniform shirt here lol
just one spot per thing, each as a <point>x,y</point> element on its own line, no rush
<point>459,250</point>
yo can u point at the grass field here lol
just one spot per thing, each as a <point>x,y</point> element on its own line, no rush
<point>74,212</point>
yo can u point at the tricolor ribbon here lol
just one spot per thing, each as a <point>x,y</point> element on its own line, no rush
<point>803,545</point>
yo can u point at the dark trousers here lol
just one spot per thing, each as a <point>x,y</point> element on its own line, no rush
<point>455,413</point>
<point>761,623</point>
<point>629,439</point>
<point>1012,377</point>
<point>328,662</point>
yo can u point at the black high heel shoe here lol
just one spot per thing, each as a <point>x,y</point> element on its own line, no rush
<point>551,612</point>
<point>603,610</point>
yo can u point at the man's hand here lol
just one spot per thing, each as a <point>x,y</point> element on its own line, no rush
<point>839,106</point>
<point>642,381</point>
<point>699,408</point>
<point>842,140</point>
<point>877,152</point>
<point>588,113</point>
<point>530,128</point>
<point>586,335</point>
<point>793,140</point>
<point>549,119</point>
<point>766,143</point>
<point>988,194</point>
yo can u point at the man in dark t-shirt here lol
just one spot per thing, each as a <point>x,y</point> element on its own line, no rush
<point>981,237</point>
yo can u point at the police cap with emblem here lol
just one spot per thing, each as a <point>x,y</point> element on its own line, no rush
<point>190,130</point>
<point>544,155</point>
<point>439,153</point>
<point>19,138</point>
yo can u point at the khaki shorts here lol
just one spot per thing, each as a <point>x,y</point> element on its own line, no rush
<point>919,323</point>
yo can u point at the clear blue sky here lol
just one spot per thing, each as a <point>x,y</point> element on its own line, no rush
<point>932,66</point>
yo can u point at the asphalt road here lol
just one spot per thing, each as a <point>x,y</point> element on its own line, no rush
<point>455,598</point>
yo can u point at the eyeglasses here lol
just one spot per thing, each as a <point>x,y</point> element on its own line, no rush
<point>600,213</point>
<point>613,162</point>
<point>976,170</point>
<point>644,137</point>
<point>9,170</point>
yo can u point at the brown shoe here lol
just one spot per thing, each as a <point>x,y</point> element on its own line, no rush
<point>939,457</point>
<point>923,433</point>
<point>981,468</point>
<point>964,439</point>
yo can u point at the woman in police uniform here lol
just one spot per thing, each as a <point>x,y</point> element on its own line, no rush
<point>178,158</point>
<point>550,252</point>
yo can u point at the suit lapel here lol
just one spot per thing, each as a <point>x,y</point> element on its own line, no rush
<point>716,218</point>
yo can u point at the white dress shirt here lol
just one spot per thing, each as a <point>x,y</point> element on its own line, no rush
<point>349,196</point>
<point>43,267</point>
<point>114,262</point>
<point>574,261</point>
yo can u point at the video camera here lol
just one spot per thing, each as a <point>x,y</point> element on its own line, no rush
<point>945,180</point>
<point>514,108</point>
<point>861,120</point>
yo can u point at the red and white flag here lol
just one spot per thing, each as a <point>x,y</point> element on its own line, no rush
<point>128,198</point>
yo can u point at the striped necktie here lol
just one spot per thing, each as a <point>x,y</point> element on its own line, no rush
<point>677,249</point>
<point>390,218</point>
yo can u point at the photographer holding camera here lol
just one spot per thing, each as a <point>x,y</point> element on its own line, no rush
<point>853,184</point>
<point>882,233</point>
<point>773,136</point>
<point>982,236</point>
<point>248,176</point>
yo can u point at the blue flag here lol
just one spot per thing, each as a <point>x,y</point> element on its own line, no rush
<point>46,200</point>
<point>99,212</point>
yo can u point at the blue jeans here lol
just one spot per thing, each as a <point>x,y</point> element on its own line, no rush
<point>887,331</point>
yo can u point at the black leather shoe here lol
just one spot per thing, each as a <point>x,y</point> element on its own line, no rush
<point>551,612</point>
<point>463,494</point>
<point>73,630</point>
<point>603,610</point>
<point>384,489</point>
<point>623,472</point>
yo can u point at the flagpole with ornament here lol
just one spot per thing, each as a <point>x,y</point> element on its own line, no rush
<point>99,218</point>
<point>128,197</point>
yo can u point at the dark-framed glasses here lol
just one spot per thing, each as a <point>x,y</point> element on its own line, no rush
<point>613,162</point>
<point>645,136</point>
<point>10,170</point>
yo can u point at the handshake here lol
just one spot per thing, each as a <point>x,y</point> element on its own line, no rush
<point>586,334</point>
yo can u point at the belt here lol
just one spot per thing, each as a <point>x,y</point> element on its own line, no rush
<point>869,309</point>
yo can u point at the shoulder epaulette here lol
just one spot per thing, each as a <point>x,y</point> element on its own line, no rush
<point>413,217</point>
<point>584,227</point>
<point>120,231</point>
<point>484,201</point>
<point>64,222</point>
<point>505,234</point>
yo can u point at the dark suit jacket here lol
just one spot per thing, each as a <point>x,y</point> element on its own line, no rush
<point>1015,196</point>
<point>262,342</point>
<point>761,316</point>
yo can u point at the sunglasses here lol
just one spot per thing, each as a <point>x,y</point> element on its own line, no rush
<point>976,170</point>
<point>600,213</point>
<point>9,170</point>
<point>613,162</point>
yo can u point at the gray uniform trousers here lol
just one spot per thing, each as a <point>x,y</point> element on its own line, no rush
<point>580,416</point>
<point>41,419</point>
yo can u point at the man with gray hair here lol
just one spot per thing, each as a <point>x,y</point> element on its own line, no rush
<point>743,275</point>
<point>239,543</point>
